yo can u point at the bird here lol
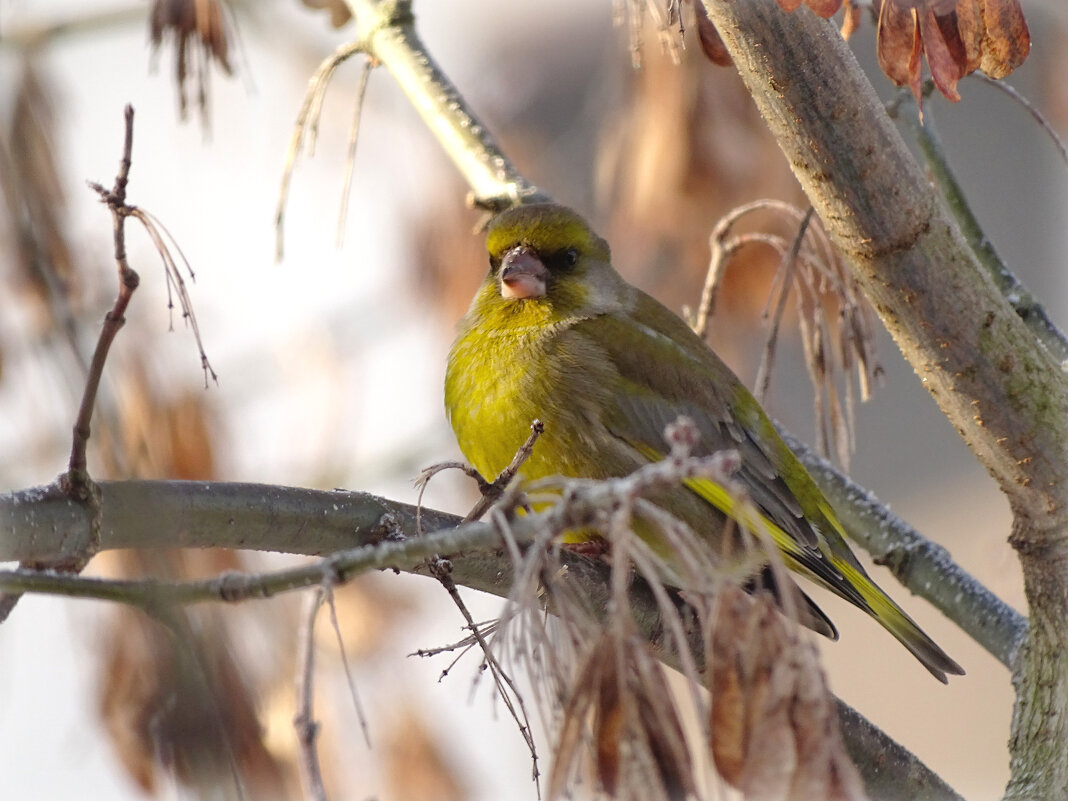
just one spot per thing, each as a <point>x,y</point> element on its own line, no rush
<point>555,333</point>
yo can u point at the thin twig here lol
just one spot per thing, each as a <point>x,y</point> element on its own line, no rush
<point>114,319</point>
<point>422,481</point>
<point>789,267</point>
<point>156,231</point>
<point>350,162</point>
<point>813,270</point>
<point>391,38</point>
<point>1031,109</point>
<point>493,491</point>
<point>440,568</point>
<point>304,722</point>
<point>76,483</point>
<point>328,589</point>
<point>307,124</point>
<point>509,693</point>
<point>722,248</point>
<point>717,261</point>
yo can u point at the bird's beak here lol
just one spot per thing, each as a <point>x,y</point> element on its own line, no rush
<point>522,274</point>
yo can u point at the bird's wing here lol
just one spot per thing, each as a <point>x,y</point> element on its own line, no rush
<point>665,371</point>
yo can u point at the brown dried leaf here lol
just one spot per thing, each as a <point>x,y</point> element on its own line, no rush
<point>181,706</point>
<point>1006,39</point>
<point>711,42</point>
<point>970,29</point>
<point>35,203</point>
<point>824,8</point>
<point>340,13</point>
<point>946,55</point>
<point>192,23</point>
<point>417,768</point>
<point>774,729</point>
<point>898,45</point>
<point>608,726</point>
<point>639,750</point>
<point>730,733</point>
<point>850,19</point>
<point>957,36</point>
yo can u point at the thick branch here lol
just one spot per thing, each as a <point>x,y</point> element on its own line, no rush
<point>1006,395</point>
<point>374,533</point>
<point>387,32</point>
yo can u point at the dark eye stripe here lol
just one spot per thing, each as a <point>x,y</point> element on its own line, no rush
<point>562,260</point>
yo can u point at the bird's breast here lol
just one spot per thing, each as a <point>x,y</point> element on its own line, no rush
<point>499,381</point>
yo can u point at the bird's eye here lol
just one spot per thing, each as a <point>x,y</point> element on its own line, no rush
<point>571,257</point>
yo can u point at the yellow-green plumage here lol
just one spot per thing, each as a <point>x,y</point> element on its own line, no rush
<point>606,367</point>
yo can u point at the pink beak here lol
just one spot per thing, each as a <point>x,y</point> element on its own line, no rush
<point>523,275</point>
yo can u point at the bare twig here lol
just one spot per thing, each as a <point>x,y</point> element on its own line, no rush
<point>422,481</point>
<point>812,267</point>
<point>462,647</point>
<point>789,265</point>
<point>307,126</point>
<point>495,489</point>
<point>723,247</point>
<point>76,484</point>
<point>1031,109</point>
<point>328,588</point>
<point>508,692</point>
<point>716,264</point>
<point>441,568</point>
<point>114,320</point>
<point>491,491</point>
<point>350,162</point>
<point>304,722</point>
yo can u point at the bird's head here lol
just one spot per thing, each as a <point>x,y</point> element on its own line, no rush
<point>547,255</point>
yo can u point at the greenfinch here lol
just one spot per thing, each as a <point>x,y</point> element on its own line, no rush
<point>555,333</point>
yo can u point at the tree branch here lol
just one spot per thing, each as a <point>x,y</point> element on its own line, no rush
<point>1004,392</point>
<point>904,109</point>
<point>387,34</point>
<point>358,532</point>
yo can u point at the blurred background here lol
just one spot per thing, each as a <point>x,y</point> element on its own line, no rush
<point>330,364</point>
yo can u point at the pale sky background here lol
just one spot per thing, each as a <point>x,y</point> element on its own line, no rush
<point>325,354</point>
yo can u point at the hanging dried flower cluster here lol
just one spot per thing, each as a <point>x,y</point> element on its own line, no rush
<point>956,37</point>
<point>201,36</point>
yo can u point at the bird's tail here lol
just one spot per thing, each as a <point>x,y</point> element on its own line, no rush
<point>894,619</point>
<point>833,566</point>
